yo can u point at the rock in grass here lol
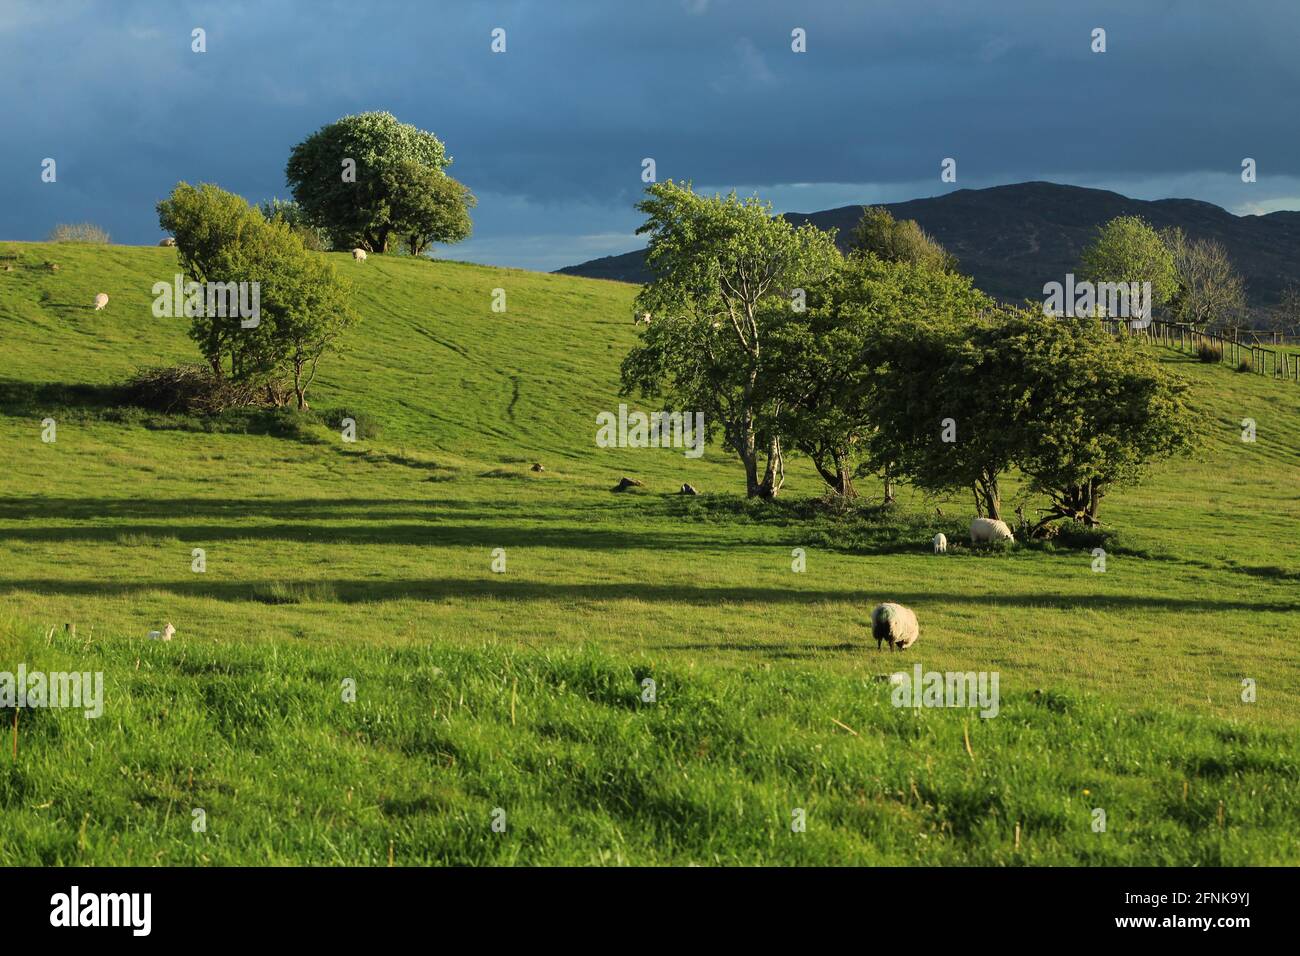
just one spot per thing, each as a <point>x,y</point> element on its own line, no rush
<point>625,483</point>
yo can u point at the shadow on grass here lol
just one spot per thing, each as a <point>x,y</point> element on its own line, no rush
<point>352,591</point>
<point>430,534</point>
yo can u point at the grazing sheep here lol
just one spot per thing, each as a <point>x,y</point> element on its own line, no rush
<point>642,318</point>
<point>169,242</point>
<point>101,300</point>
<point>894,624</point>
<point>359,255</point>
<point>164,635</point>
<point>988,530</point>
<point>940,543</point>
<point>688,490</point>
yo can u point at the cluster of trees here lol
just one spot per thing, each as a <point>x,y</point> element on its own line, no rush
<point>371,182</point>
<point>1192,280</point>
<point>304,306</point>
<point>365,181</point>
<point>887,362</point>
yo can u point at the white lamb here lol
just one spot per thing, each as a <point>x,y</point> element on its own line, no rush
<point>988,530</point>
<point>164,635</point>
<point>940,543</point>
<point>894,624</point>
<point>101,300</point>
<point>359,255</point>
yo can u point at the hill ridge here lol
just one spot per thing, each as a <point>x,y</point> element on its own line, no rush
<point>1013,238</point>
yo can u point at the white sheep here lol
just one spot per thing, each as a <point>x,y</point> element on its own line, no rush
<point>101,300</point>
<point>359,255</point>
<point>987,530</point>
<point>940,543</point>
<point>168,242</point>
<point>164,635</point>
<point>642,318</point>
<point>894,624</point>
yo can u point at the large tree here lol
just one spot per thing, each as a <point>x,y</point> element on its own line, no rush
<point>303,306</point>
<point>726,271</point>
<point>1211,293</point>
<point>355,206</point>
<point>218,241</point>
<point>939,405</point>
<point>834,355</point>
<point>1091,411</point>
<point>1127,249</point>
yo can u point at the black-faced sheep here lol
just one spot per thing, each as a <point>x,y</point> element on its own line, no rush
<point>895,625</point>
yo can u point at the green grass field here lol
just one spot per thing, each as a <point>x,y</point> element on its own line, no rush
<point>521,690</point>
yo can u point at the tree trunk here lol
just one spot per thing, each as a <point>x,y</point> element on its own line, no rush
<point>774,474</point>
<point>837,477</point>
<point>844,477</point>
<point>749,456</point>
<point>988,493</point>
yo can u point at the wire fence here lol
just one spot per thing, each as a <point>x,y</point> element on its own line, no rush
<point>1275,362</point>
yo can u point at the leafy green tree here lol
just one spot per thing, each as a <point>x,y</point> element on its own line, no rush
<point>834,358</point>
<point>216,232</point>
<point>426,206</point>
<point>310,309</point>
<point>1091,411</point>
<point>939,405</point>
<point>358,213</point>
<point>726,272</point>
<point>879,233</point>
<point>1127,249</point>
<point>291,214</point>
<point>958,404</point>
<point>303,306</point>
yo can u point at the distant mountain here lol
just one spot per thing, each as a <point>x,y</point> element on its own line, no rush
<point>1013,239</point>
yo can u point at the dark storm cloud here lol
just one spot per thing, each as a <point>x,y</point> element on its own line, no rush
<point>552,133</point>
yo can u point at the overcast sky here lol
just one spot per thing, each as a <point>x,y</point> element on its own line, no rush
<point>551,134</point>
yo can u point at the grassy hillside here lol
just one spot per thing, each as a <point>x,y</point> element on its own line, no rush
<point>323,555</point>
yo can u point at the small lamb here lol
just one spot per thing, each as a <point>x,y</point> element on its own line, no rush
<point>359,255</point>
<point>940,543</point>
<point>894,624</point>
<point>164,635</point>
<point>101,300</point>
